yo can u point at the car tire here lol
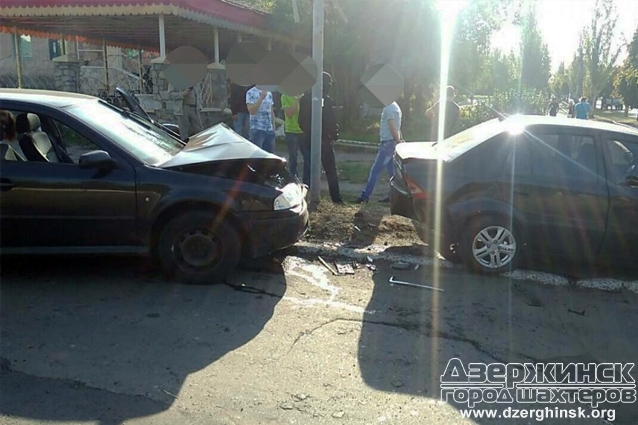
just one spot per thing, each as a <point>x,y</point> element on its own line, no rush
<point>196,248</point>
<point>451,253</point>
<point>490,245</point>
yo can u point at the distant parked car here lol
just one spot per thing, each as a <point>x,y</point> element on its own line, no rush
<point>94,178</point>
<point>524,186</point>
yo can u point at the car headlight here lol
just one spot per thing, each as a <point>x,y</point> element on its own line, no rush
<point>291,197</point>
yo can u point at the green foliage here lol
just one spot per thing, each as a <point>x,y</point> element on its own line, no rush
<point>501,72</point>
<point>527,102</point>
<point>626,81</point>
<point>471,44</point>
<point>601,48</point>
<point>535,62</point>
<point>560,85</point>
<point>405,33</point>
<point>626,84</point>
<point>475,114</point>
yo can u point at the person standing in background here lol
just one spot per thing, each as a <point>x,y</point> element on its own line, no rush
<point>570,108</point>
<point>582,109</point>
<point>239,110</point>
<point>389,135</point>
<point>262,118</point>
<point>452,112</point>
<point>329,133</point>
<point>189,120</point>
<point>294,134</point>
<point>553,107</point>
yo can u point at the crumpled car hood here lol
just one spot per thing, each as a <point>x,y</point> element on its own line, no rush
<point>217,143</point>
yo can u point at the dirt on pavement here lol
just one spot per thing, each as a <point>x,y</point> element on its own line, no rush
<point>360,225</point>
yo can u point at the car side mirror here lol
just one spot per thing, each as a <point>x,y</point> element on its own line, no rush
<point>100,160</point>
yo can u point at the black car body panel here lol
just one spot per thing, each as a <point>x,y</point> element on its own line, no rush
<point>552,178</point>
<point>49,207</point>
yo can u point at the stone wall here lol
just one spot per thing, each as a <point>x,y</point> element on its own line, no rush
<point>214,96</point>
<point>67,73</point>
<point>93,80</point>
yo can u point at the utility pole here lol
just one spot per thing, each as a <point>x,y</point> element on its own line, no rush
<point>317,103</point>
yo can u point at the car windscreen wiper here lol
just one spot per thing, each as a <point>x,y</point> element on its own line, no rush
<point>130,115</point>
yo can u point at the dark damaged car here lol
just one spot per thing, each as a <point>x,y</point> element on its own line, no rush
<point>552,189</point>
<point>85,176</point>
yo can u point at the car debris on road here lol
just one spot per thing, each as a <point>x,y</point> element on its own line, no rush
<point>393,281</point>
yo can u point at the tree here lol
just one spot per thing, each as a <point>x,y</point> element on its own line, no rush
<point>600,51</point>
<point>500,73</point>
<point>404,33</point>
<point>535,61</point>
<point>471,45</point>
<point>626,81</point>
<point>560,85</point>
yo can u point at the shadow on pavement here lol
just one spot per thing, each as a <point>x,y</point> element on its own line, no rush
<point>106,340</point>
<point>414,332</point>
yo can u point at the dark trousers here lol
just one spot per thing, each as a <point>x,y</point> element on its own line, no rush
<point>329,165</point>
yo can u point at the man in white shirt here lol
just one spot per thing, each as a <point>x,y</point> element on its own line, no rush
<point>260,105</point>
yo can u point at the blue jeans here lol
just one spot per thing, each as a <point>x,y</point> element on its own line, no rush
<point>293,140</point>
<point>241,125</point>
<point>383,160</point>
<point>264,139</point>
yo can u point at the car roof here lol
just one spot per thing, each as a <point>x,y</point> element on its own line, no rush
<point>51,98</point>
<point>528,120</point>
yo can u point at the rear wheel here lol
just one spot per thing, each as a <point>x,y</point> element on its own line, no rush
<point>197,248</point>
<point>490,245</point>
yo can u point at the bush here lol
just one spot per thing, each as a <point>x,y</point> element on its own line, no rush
<point>473,115</point>
<point>530,102</point>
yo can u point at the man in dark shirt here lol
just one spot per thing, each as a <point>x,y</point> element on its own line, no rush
<point>329,133</point>
<point>452,111</point>
<point>238,108</point>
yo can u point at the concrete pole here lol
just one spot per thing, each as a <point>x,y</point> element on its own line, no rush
<point>216,44</point>
<point>16,43</point>
<point>63,45</point>
<point>162,36</point>
<point>106,66</point>
<point>140,69</point>
<point>317,103</point>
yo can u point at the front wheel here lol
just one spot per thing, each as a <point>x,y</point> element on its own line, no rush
<point>490,245</point>
<point>197,248</point>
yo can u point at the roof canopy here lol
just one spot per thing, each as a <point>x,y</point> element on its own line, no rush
<point>135,23</point>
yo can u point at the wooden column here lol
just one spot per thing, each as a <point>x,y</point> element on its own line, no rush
<point>16,43</point>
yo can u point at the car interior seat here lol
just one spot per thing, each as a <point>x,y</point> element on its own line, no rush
<point>7,153</point>
<point>35,144</point>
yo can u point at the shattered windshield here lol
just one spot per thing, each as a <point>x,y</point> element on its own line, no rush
<point>143,140</point>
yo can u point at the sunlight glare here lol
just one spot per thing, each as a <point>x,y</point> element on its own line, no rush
<point>448,11</point>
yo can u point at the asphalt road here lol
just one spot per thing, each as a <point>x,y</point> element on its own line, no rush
<point>106,341</point>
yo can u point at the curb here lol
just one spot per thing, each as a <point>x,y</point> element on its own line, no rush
<point>377,252</point>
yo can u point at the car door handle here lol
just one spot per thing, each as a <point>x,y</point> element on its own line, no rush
<point>6,185</point>
<point>522,192</point>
